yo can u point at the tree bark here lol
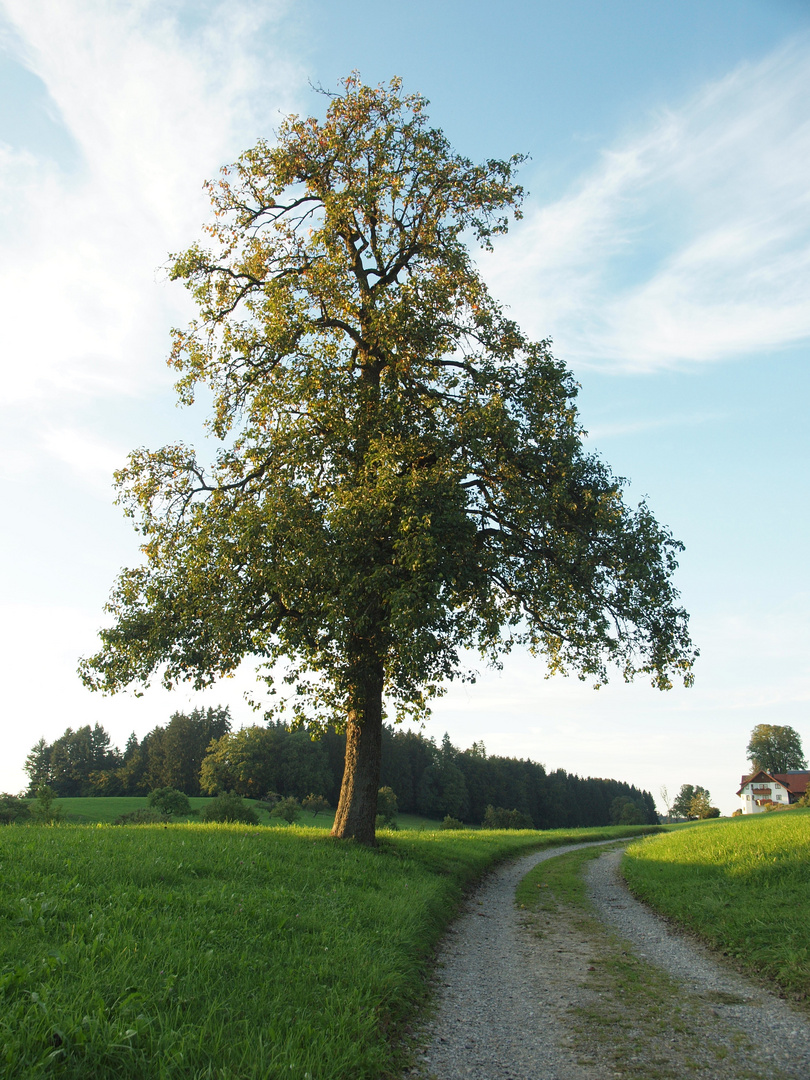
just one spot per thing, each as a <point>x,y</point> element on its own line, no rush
<point>356,815</point>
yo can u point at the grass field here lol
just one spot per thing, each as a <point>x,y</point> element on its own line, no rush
<point>742,884</point>
<point>205,951</point>
<point>96,810</point>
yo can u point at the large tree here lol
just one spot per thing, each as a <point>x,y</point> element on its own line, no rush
<point>775,748</point>
<point>401,474</point>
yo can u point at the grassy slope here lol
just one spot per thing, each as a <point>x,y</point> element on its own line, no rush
<point>205,951</point>
<point>742,884</point>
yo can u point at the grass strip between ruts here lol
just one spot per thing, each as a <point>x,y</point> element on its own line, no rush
<point>743,885</point>
<point>227,952</point>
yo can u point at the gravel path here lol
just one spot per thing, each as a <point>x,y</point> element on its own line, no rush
<point>501,1012</point>
<point>520,998</point>
<point>780,1035</point>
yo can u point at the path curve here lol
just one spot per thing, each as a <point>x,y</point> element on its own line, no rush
<point>499,1014</point>
<point>780,1034</point>
<point>506,997</point>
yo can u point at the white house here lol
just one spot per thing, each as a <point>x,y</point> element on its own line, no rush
<point>760,789</point>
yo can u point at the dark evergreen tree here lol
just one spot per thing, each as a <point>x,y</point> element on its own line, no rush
<point>38,766</point>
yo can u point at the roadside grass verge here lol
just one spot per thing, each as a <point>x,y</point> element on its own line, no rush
<point>743,885</point>
<point>216,952</point>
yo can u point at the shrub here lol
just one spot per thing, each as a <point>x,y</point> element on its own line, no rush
<point>315,803</point>
<point>169,801</point>
<point>386,808</point>
<point>44,810</point>
<point>228,806</point>
<point>13,809</point>
<point>288,810</point>
<point>142,816</point>
<point>496,817</point>
<point>452,823</point>
<point>268,802</point>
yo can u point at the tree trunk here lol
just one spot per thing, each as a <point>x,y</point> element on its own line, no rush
<point>356,815</point>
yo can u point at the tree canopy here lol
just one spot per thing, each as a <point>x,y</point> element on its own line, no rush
<point>694,801</point>
<point>776,749</point>
<point>401,473</point>
<point>430,779</point>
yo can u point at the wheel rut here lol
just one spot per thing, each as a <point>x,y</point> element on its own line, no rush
<point>568,996</point>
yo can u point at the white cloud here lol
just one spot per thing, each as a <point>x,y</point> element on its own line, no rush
<point>40,646</point>
<point>90,457</point>
<point>154,105</point>
<point>635,427</point>
<point>687,242</point>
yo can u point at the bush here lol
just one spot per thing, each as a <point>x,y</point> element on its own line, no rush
<point>228,806</point>
<point>287,809</point>
<point>13,809</point>
<point>452,823</point>
<point>170,801</point>
<point>496,817</point>
<point>142,816</point>
<point>315,803</point>
<point>44,810</point>
<point>268,802</point>
<point>386,808</point>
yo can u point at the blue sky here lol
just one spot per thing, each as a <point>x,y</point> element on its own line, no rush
<point>665,249</point>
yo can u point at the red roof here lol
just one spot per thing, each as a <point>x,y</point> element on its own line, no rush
<point>795,782</point>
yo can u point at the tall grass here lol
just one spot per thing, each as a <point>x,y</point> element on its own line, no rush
<point>205,951</point>
<point>741,884</point>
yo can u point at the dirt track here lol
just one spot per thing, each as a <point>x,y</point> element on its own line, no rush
<point>566,997</point>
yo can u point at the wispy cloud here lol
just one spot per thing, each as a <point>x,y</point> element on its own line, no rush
<point>636,427</point>
<point>155,97</point>
<point>689,241</point>
<point>92,458</point>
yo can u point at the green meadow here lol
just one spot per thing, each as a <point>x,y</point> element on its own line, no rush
<point>102,810</point>
<point>225,951</point>
<point>742,884</point>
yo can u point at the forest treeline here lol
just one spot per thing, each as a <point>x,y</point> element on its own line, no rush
<point>199,754</point>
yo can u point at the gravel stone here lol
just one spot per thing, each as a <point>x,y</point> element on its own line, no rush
<point>509,1000</point>
<point>501,1012</point>
<point>780,1034</point>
